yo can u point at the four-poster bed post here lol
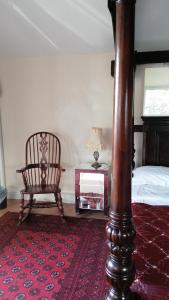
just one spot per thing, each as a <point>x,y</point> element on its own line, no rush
<point>120,268</point>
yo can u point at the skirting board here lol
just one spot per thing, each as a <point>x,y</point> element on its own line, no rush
<point>67,197</point>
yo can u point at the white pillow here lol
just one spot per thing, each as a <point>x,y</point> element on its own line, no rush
<point>154,175</point>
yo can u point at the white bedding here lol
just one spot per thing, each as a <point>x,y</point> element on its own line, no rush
<point>150,185</point>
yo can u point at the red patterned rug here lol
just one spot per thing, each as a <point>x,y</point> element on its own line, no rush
<point>46,259</point>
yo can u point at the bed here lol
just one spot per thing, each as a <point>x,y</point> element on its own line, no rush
<point>150,197</point>
<point>152,251</point>
<point>150,183</point>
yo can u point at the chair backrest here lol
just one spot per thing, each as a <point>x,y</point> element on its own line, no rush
<point>43,151</point>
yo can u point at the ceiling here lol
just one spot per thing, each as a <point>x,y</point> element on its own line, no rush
<point>50,27</point>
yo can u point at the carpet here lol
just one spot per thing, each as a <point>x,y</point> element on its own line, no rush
<point>46,259</point>
<point>152,251</point>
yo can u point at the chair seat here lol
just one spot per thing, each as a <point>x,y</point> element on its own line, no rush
<point>38,189</point>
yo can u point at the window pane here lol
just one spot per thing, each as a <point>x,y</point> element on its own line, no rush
<point>156,91</point>
<point>156,102</point>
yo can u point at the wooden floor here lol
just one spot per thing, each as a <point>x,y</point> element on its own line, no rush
<point>69,209</point>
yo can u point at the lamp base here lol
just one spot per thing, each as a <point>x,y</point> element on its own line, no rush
<point>96,165</point>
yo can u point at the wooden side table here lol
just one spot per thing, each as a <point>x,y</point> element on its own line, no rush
<point>92,189</point>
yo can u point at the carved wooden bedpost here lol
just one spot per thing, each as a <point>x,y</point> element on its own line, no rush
<point>120,267</point>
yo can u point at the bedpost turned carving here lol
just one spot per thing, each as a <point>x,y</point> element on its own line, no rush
<point>120,268</point>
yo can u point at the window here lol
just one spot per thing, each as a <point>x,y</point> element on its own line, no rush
<point>156,91</point>
<point>156,102</point>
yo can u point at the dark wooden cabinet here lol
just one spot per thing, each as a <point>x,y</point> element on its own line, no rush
<point>92,189</point>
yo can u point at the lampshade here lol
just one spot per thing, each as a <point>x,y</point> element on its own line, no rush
<point>94,142</point>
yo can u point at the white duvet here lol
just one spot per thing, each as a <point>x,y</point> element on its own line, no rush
<point>150,185</point>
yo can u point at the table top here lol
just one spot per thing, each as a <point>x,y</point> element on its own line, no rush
<point>104,167</point>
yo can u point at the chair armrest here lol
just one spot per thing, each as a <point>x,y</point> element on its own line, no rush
<point>21,170</point>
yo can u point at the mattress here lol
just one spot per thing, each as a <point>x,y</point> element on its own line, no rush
<point>150,194</point>
<point>150,185</point>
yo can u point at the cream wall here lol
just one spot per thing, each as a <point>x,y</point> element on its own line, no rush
<point>138,111</point>
<point>65,95</point>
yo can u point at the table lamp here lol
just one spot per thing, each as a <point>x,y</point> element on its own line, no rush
<point>94,143</point>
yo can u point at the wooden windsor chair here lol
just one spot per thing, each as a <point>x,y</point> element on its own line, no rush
<point>42,173</point>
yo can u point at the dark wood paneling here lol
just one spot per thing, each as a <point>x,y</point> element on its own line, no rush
<point>156,141</point>
<point>152,57</point>
<point>149,57</point>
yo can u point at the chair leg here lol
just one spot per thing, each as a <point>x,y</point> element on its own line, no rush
<point>22,216</point>
<point>58,200</point>
<point>30,204</point>
<point>21,208</point>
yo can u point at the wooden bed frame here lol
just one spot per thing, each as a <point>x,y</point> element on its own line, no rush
<point>120,266</point>
<point>156,141</point>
